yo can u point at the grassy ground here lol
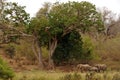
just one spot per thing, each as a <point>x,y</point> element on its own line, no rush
<point>40,75</point>
<point>53,75</point>
<point>107,50</point>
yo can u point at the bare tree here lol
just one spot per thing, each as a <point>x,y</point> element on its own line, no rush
<point>110,20</point>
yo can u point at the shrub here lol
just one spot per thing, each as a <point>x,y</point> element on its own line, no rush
<point>87,50</point>
<point>10,50</point>
<point>5,71</point>
<point>69,48</point>
<point>74,49</point>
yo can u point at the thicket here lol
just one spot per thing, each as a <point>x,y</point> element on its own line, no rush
<point>69,48</point>
<point>74,49</point>
<point>10,50</point>
<point>5,71</point>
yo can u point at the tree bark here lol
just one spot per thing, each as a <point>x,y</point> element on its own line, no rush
<point>40,57</point>
<point>38,53</point>
<point>52,47</point>
<point>34,49</point>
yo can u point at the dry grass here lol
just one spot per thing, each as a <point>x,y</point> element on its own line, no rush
<point>54,75</point>
<point>109,52</point>
<point>29,75</point>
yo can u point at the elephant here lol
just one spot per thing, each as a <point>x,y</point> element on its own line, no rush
<point>83,67</point>
<point>94,69</point>
<point>101,67</point>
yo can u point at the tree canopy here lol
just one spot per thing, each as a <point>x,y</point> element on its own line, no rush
<point>55,22</point>
<point>15,14</point>
<point>13,20</point>
<point>61,18</point>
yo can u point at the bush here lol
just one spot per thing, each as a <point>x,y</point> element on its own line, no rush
<point>10,50</point>
<point>5,71</point>
<point>87,50</point>
<point>74,49</point>
<point>69,48</point>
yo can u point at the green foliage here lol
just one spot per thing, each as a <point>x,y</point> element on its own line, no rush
<point>62,18</point>
<point>5,71</point>
<point>64,22</point>
<point>87,49</point>
<point>37,28</point>
<point>10,50</point>
<point>74,49</point>
<point>13,19</point>
<point>76,44</point>
<point>15,14</point>
<point>69,48</point>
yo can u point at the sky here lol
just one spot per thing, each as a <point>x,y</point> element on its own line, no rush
<point>32,6</point>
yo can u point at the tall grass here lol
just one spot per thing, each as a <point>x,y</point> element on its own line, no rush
<point>52,75</point>
<point>38,75</point>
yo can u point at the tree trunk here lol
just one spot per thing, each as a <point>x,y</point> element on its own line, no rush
<point>52,47</point>
<point>38,53</point>
<point>40,57</point>
<point>34,49</point>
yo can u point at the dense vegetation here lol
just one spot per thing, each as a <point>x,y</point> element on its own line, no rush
<point>59,28</point>
<point>60,34</point>
<point>5,71</point>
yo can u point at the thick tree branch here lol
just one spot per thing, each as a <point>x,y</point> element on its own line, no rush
<point>10,28</point>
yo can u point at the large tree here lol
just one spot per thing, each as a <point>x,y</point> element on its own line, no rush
<point>13,19</point>
<point>55,22</point>
<point>15,14</point>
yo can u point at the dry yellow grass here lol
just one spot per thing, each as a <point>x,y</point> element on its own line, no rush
<point>49,75</point>
<point>54,75</point>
